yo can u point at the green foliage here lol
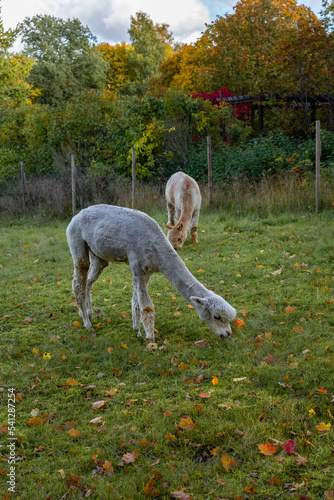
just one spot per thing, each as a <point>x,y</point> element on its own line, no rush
<point>149,50</point>
<point>66,62</point>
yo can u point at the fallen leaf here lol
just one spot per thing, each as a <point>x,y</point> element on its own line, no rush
<point>72,382</point>
<point>152,346</point>
<point>239,323</point>
<point>26,321</point>
<point>300,460</point>
<point>180,494</point>
<point>97,420</point>
<point>111,392</point>
<point>74,433</point>
<point>98,404</point>
<point>323,427</point>
<point>62,473</point>
<point>108,468</point>
<point>267,449</point>
<point>290,309</point>
<point>228,462</point>
<point>214,380</point>
<point>187,423</point>
<point>201,343</point>
<point>170,437</point>
<point>250,489</point>
<point>128,458</point>
<point>289,446</point>
<point>270,359</point>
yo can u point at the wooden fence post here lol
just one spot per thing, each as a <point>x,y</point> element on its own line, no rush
<point>73,184</point>
<point>134,165</point>
<point>23,182</point>
<point>317,164</point>
<point>209,151</point>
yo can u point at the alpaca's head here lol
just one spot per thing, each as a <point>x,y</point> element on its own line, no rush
<point>215,312</point>
<point>177,234</point>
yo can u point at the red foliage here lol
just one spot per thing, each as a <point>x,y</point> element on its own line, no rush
<point>240,110</point>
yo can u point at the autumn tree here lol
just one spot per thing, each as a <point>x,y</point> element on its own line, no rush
<point>119,69</point>
<point>66,59</point>
<point>14,69</point>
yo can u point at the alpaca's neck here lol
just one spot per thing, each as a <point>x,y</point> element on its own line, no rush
<point>186,212</point>
<point>176,272</point>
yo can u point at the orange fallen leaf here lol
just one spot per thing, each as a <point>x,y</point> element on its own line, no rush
<point>323,426</point>
<point>267,449</point>
<point>111,392</point>
<point>76,323</point>
<point>71,381</point>
<point>227,462</point>
<point>214,380</point>
<point>239,323</point>
<point>250,489</point>
<point>74,433</point>
<point>35,421</point>
<point>187,423</point>
<point>204,395</point>
<point>290,309</point>
<point>170,437</point>
<point>108,468</point>
<point>322,390</point>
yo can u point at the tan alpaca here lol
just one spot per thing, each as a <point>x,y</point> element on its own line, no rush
<point>104,233</point>
<point>184,199</point>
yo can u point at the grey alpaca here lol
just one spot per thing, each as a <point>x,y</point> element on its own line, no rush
<point>104,233</point>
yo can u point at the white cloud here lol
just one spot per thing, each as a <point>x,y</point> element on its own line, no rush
<point>109,20</point>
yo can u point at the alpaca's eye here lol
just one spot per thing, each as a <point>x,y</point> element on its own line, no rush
<point>216,317</point>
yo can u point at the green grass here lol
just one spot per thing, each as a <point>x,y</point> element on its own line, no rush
<point>269,373</point>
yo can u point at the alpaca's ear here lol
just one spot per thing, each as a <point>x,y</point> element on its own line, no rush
<point>168,226</point>
<point>201,306</point>
<point>180,226</point>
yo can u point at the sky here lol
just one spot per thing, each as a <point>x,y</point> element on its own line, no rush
<point>109,20</point>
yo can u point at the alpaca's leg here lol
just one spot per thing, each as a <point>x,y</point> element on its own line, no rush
<point>135,311</point>
<point>96,267</point>
<point>193,226</point>
<point>142,306</point>
<point>81,267</point>
<point>171,213</point>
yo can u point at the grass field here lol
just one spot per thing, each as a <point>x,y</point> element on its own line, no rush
<point>99,415</point>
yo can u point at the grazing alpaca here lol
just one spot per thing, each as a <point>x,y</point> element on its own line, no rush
<point>103,233</point>
<point>183,200</point>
